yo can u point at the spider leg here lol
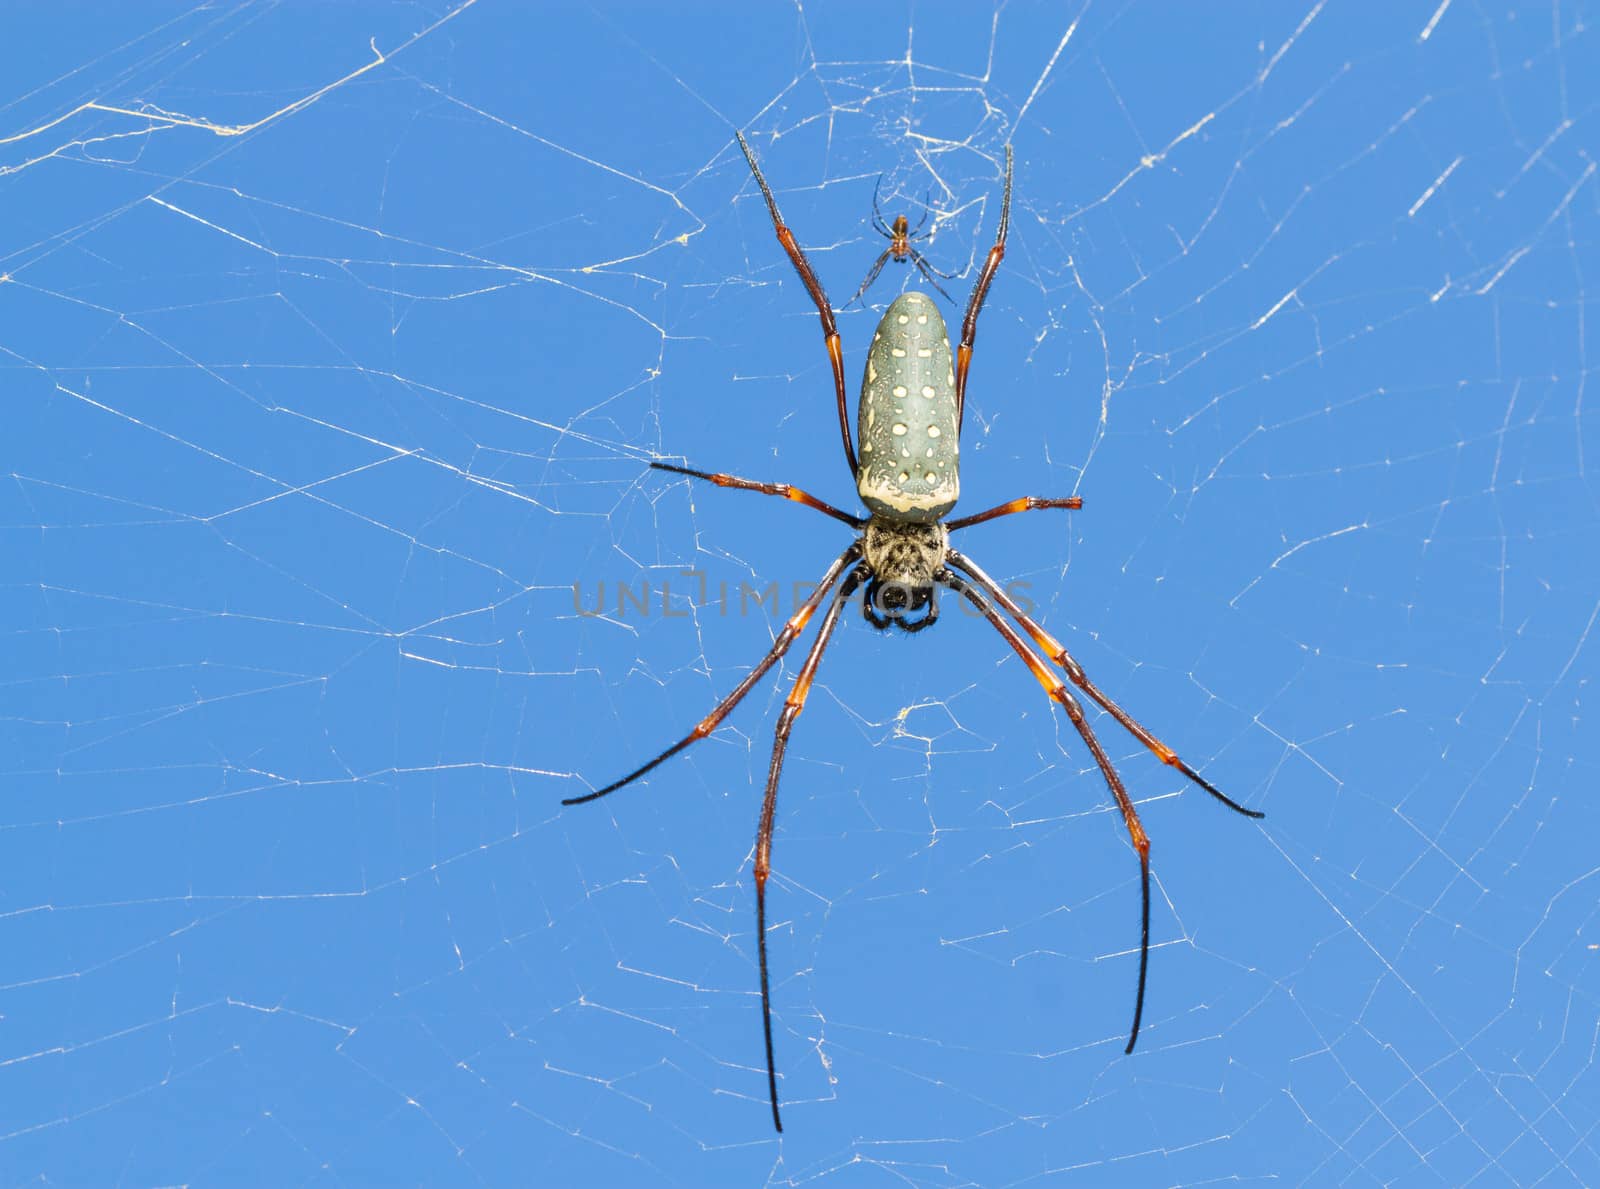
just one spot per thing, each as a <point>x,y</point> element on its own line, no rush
<point>871,276</point>
<point>930,269</point>
<point>927,272</point>
<point>969,324</point>
<point>792,706</point>
<point>705,726</point>
<point>1058,653</point>
<point>877,213</point>
<point>830,328</point>
<point>787,491</point>
<point>926,211</point>
<point>1130,816</point>
<point>1027,503</point>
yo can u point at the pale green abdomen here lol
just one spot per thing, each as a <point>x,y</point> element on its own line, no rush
<point>906,425</point>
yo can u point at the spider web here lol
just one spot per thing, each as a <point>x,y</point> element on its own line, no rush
<point>335,343</point>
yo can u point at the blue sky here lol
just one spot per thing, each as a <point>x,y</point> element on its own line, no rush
<point>335,344</point>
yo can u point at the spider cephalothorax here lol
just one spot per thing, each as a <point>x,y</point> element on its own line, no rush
<point>909,427</point>
<point>903,560</point>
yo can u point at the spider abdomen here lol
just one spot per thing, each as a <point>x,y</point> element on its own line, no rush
<point>906,424</point>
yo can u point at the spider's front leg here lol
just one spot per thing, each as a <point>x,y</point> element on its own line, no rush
<point>795,625</point>
<point>792,706</point>
<point>1130,816</point>
<point>1058,691</point>
<point>1058,653</point>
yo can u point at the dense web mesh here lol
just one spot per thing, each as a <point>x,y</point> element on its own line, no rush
<point>335,343</point>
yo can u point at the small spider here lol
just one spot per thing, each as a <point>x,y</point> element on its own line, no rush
<point>909,426</point>
<point>899,237</point>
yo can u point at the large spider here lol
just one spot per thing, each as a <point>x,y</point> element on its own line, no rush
<point>909,425</point>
